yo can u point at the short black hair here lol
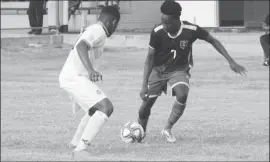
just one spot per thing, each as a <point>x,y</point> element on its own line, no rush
<point>111,10</point>
<point>172,8</point>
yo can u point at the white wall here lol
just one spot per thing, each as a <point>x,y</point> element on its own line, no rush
<point>18,21</point>
<point>202,12</point>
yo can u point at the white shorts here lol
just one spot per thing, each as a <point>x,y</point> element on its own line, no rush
<point>83,92</point>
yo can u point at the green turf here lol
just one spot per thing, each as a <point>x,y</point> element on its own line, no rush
<point>227,116</point>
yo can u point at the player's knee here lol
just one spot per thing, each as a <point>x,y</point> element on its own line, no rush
<point>108,107</point>
<point>181,93</point>
<point>105,106</point>
<point>182,98</point>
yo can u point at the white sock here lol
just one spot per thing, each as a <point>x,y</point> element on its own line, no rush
<point>92,128</point>
<point>78,135</point>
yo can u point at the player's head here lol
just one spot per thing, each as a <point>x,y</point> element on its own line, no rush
<point>110,17</point>
<point>170,18</point>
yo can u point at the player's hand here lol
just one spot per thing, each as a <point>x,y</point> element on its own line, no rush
<point>94,76</point>
<point>238,68</point>
<point>144,92</point>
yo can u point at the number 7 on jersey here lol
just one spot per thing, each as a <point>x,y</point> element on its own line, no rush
<point>174,53</point>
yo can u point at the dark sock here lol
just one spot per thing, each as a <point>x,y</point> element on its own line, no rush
<point>177,112</point>
<point>143,123</point>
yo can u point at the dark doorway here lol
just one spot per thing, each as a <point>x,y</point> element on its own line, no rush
<point>231,13</point>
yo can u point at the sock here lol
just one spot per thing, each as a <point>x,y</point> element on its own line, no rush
<point>92,128</point>
<point>177,111</point>
<point>145,111</point>
<point>143,123</point>
<point>78,134</point>
<point>75,107</point>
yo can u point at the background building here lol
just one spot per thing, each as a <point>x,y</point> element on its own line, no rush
<point>143,15</point>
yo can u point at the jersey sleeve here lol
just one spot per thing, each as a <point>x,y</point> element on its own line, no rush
<point>92,38</point>
<point>201,33</point>
<point>153,40</point>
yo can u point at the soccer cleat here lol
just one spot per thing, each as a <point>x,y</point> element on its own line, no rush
<point>168,135</point>
<point>82,155</point>
<point>71,145</point>
<point>143,136</point>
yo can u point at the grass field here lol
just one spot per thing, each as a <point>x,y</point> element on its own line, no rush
<point>227,115</point>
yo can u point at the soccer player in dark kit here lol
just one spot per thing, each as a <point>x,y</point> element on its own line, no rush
<point>169,61</point>
<point>264,40</point>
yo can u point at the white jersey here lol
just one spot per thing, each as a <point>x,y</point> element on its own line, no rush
<point>94,36</point>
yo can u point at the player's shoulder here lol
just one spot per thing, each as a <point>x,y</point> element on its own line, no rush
<point>157,29</point>
<point>189,26</point>
<point>95,29</point>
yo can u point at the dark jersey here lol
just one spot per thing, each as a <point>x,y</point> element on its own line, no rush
<point>174,53</point>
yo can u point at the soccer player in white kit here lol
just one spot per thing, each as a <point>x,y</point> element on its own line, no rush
<point>79,74</point>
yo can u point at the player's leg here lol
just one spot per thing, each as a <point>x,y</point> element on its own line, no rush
<point>106,2</point>
<point>145,111</point>
<point>180,87</point>
<point>88,95</point>
<point>155,86</point>
<point>78,134</point>
<point>264,40</point>
<point>104,109</point>
<point>31,17</point>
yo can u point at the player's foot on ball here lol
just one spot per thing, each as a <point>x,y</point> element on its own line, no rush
<point>168,135</point>
<point>143,136</point>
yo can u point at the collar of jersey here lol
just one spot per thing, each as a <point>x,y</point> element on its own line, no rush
<point>179,31</point>
<point>104,27</point>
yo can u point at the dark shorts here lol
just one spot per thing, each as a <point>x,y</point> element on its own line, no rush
<point>157,82</point>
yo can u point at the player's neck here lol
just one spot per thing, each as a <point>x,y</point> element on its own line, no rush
<point>104,27</point>
<point>176,32</point>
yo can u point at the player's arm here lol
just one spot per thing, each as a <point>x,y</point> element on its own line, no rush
<point>82,49</point>
<point>204,35</point>
<point>219,47</point>
<point>148,66</point>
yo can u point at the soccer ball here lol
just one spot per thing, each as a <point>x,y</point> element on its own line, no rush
<point>132,132</point>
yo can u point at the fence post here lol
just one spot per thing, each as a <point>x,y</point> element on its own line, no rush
<point>65,16</point>
<point>57,18</point>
